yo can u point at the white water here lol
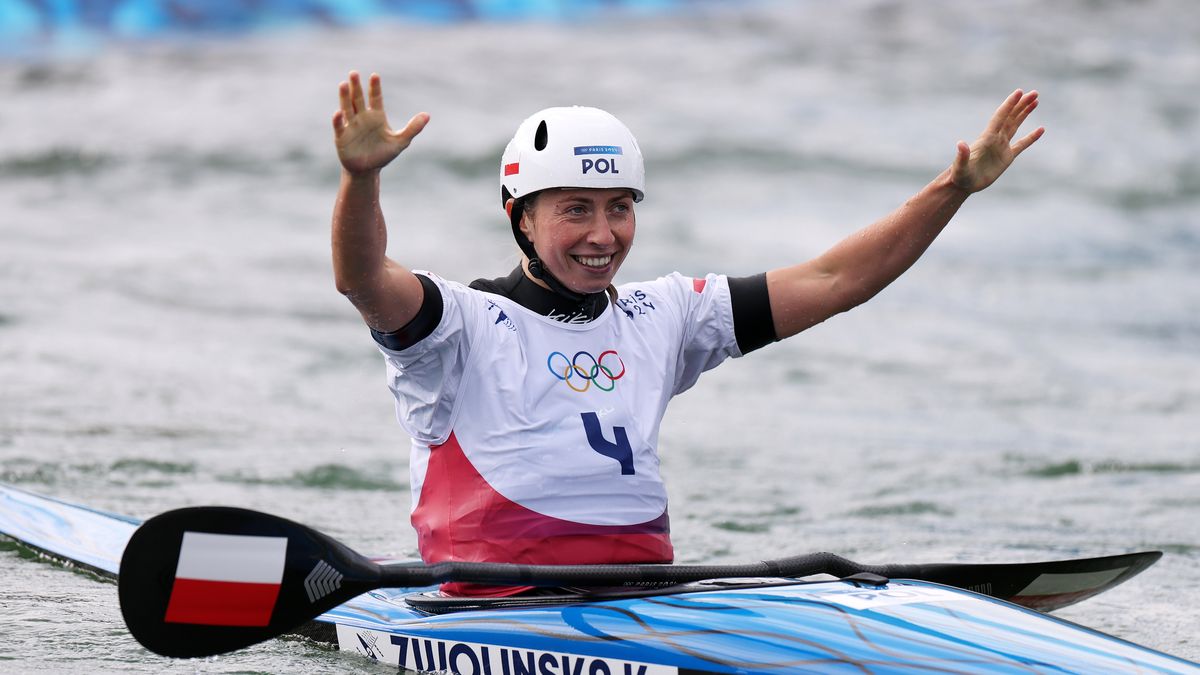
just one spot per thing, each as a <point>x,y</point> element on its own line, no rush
<point>169,332</point>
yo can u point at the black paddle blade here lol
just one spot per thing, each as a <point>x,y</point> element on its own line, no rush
<point>1044,586</point>
<point>209,580</point>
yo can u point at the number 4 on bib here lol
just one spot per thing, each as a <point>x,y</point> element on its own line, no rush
<point>620,450</point>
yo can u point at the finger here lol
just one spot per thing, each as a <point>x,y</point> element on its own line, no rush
<point>339,122</point>
<point>1017,117</point>
<point>962,157</point>
<point>375,85</point>
<point>414,126</point>
<point>1027,102</point>
<point>1027,105</point>
<point>1022,115</point>
<point>356,92</point>
<point>347,107</point>
<point>1019,146</point>
<point>1004,111</point>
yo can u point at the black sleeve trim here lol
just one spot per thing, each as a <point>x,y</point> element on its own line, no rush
<point>420,326</point>
<point>753,323</point>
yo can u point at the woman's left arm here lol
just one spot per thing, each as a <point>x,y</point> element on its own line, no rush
<point>863,264</point>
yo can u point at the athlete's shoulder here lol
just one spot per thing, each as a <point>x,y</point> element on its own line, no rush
<point>675,294</point>
<point>459,293</point>
<point>442,283</point>
<point>466,307</point>
<point>673,285</point>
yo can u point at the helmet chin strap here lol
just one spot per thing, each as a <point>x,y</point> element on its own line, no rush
<point>537,269</point>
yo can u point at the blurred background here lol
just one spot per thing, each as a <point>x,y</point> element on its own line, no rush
<point>170,334</point>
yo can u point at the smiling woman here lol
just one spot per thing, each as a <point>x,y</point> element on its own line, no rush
<point>509,466</point>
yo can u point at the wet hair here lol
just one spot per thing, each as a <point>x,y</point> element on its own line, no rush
<point>529,204</point>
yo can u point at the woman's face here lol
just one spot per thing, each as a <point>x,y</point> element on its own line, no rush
<point>582,235</point>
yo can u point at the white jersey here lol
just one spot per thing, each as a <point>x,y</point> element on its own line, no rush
<point>535,440</point>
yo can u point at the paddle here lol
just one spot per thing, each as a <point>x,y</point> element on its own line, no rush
<point>208,580</point>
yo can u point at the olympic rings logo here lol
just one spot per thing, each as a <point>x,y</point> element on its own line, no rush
<point>597,370</point>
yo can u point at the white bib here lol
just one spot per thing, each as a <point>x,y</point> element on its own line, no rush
<point>561,419</point>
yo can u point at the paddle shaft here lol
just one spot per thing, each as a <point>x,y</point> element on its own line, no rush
<point>415,574</point>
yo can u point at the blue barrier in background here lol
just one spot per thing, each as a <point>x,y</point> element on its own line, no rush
<point>25,20</point>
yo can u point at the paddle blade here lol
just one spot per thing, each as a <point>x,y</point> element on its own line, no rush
<point>1044,586</point>
<point>208,580</point>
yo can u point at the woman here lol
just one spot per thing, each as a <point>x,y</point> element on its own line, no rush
<point>534,400</point>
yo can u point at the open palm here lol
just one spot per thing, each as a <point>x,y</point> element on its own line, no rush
<point>978,165</point>
<point>365,142</point>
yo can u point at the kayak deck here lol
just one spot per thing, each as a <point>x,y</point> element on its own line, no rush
<point>75,535</point>
<point>783,626</point>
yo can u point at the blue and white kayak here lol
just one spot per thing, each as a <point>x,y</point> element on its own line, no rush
<point>826,627</point>
<point>729,625</point>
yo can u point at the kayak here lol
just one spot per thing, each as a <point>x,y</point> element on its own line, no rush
<point>736,624</point>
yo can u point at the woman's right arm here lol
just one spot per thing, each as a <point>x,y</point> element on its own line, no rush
<point>386,294</point>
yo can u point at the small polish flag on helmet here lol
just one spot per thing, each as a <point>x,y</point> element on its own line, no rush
<point>226,580</point>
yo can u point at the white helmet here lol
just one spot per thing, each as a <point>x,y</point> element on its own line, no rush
<point>571,147</point>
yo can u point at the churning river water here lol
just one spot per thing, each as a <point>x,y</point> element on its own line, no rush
<point>170,334</point>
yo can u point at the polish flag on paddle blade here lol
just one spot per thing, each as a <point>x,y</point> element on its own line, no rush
<point>226,580</point>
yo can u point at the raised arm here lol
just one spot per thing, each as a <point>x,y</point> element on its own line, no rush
<point>863,264</point>
<point>385,293</point>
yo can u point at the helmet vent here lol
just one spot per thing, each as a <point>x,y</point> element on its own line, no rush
<point>541,138</point>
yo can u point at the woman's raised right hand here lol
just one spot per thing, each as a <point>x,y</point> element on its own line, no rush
<point>364,141</point>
